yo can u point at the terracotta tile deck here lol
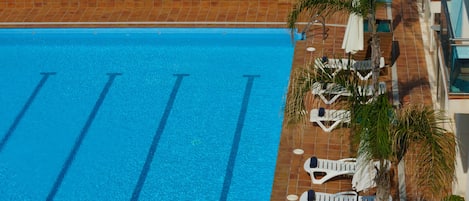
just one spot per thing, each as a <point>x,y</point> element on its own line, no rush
<point>290,177</point>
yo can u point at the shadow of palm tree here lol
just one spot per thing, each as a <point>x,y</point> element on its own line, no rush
<point>406,20</point>
<point>406,87</point>
<point>396,21</point>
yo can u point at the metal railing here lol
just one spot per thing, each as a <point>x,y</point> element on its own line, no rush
<point>315,19</point>
<point>451,47</point>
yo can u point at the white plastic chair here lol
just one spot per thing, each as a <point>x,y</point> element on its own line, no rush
<point>329,168</point>
<point>338,65</point>
<point>365,66</point>
<point>335,91</point>
<point>330,89</point>
<point>311,195</point>
<point>334,116</point>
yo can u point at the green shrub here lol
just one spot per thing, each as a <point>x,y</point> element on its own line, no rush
<point>453,198</point>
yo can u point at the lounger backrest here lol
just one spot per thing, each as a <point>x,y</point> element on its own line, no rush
<point>334,197</point>
<point>366,64</point>
<point>341,63</point>
<point>343,115</point>
<point>336,165</point>
<point>333,88</point>
<point>362,65</point>
<point>339,114</point>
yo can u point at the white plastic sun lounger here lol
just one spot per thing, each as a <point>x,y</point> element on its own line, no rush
<point>335,91</point>
<point>311,195</point>
<point>329,168</point>
<point>366,66</point>
<point>332,89</point>
<point>327,115</point>
<point>345,64</point>
<point>336,65</point>
<point>322,170</point>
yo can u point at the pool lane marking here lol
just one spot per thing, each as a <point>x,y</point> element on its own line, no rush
<point>237,137</point>
<point>156,137</point>
<point>6,137</point>
<point>81,137</point>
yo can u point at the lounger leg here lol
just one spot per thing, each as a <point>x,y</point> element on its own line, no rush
<point>333,99</point>
<point>324,128</point>
<point>335,124</point>
<point>364,77</point>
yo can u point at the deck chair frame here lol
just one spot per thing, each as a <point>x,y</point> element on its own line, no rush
<point>331,168</point>
<point>335,116</point>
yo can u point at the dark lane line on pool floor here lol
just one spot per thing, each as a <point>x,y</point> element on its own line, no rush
<point>156,138</point>
<point>237,137</point>
<point>6,137</point>
<point>81,137</point>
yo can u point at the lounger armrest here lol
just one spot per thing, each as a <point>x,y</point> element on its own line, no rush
<point>348,160</point>
<point>347,193</point>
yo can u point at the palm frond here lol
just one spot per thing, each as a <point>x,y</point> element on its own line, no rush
<point>374,120</point>
<point>300,85</point>
<point>326,7</point>
<point>423,126</point>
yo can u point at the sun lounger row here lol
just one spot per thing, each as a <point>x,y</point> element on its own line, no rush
<point>363,174</point>
<point>322,116</point>
<point>335,91</point>
<point>311,195</point>
<point>361,68</point>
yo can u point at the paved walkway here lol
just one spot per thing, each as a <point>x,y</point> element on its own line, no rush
<point>290,177</point>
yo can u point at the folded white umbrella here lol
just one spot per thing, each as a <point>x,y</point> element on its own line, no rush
<point>353,37</point>
<point>364,177</point>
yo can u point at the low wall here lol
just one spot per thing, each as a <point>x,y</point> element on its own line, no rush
<point>132,3</point>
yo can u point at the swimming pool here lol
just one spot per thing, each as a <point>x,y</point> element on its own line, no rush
<point>141,114</point>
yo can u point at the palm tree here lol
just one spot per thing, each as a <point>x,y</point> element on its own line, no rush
<point>382,133</point>
<point>364,8</point>
<point>420,128</point>
<point>371,124</point>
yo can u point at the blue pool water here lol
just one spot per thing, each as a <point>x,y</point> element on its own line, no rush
<point>141,114</point>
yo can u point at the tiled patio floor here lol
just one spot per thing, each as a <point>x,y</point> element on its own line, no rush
<point>290,177</point>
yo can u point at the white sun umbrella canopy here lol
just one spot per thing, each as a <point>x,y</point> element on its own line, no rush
<point>353,37</point>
